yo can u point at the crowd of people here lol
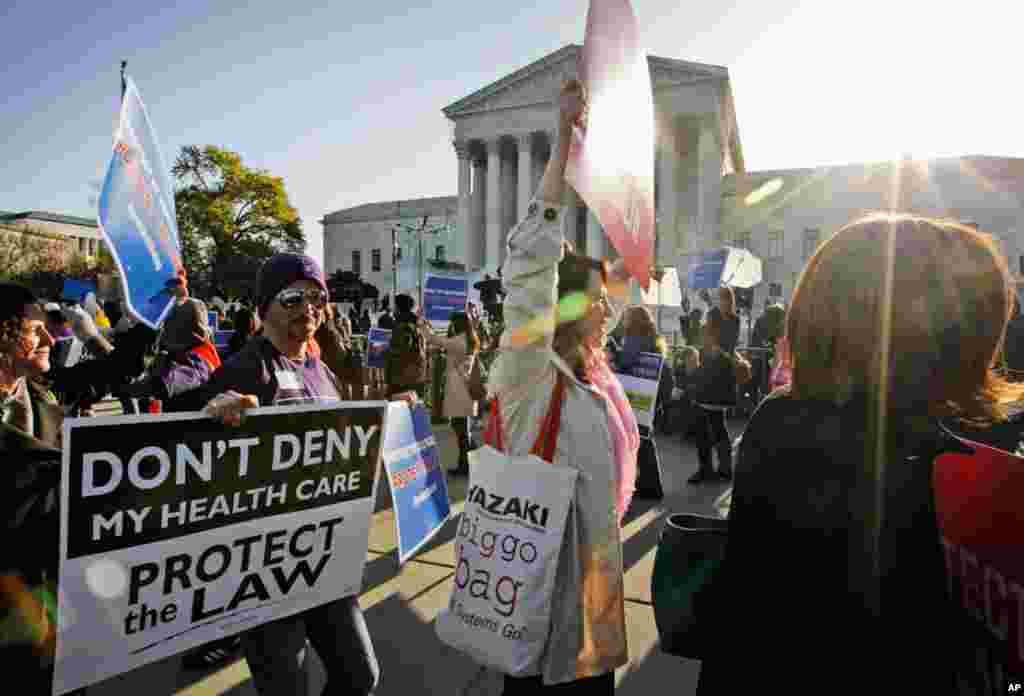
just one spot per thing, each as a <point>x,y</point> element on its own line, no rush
<point>834,567</point>
<point>293,329</point>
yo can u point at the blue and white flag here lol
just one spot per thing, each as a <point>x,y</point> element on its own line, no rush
<point>137,215</point>
<point>419,488</point>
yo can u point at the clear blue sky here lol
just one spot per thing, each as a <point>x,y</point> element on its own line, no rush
<point>343,99</point>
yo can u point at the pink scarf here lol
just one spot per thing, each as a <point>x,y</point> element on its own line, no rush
<point>624,432</point>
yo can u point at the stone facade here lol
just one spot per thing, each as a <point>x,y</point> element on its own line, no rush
<point>363,234</point>
<point>82,234</point>
<point>782,216</point>
<point>502,138</point>
<point>504,132</point>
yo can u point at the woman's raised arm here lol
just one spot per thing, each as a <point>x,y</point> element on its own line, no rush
<point>530,271</point>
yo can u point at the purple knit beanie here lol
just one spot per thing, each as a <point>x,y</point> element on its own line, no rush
<point>281,270</point>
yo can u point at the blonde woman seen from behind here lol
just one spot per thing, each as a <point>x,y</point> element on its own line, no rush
<point>895,324</point>
<point>461,350</point>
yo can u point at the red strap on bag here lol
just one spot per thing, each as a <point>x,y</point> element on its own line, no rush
<point>493,435</point>
<point>547,438</point>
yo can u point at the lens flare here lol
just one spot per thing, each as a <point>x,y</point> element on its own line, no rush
<point>106,579</point>
<point>532,331</point>
<point>572,307</point>
<point>766,190</point>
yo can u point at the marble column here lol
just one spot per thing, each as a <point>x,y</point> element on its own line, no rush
<point>689,204</point>
<point>574,231</point>
<point>525,173</point>
<point>595,237</point>
<point>509,186</point>
<point>465,213</point>
<point>710,181</point>
<point>666,166</point>
<point>540,162</point>
<point>493,208</point>
<point>475,241</point>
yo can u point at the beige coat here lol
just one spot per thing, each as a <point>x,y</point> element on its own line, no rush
<point>457,402</point>
<point>588,631</point>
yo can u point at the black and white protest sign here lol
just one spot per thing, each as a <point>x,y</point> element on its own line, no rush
<point>176,530</point>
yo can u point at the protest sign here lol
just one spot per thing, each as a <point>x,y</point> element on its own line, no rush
<point>378,342</point>
<point>736,268</point>
<point>639,375</point>
<point>137,214</point>
<point>419,489</point>
<point>977,498</point>
<point>221,339</point>
<point>77,289</point>
<point>611,165</point>
<point>443,295</point>
<point>176,530</point>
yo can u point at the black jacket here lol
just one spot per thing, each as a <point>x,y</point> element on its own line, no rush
<point>1015,344</point>
<point>730,334</point>
<point>715,381</point>
<point>30,510</point>
<point>89,381</point>
<point>30,491</point>
<point>797,583</point>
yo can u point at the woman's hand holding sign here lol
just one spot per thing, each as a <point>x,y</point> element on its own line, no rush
<point>229,408</point>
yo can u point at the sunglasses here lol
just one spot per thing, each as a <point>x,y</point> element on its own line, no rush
<point>290,299</point>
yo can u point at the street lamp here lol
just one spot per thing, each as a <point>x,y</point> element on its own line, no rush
<point>394,262</point>
<point>419,231</point>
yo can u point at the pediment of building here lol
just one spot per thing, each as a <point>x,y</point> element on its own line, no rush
<point>538,82</point>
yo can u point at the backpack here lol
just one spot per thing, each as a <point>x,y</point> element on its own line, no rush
<point>406,362</point>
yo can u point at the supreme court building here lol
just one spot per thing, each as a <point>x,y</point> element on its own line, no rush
<point>502,137</point>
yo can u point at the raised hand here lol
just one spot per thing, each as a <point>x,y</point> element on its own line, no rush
<point>573,105</point>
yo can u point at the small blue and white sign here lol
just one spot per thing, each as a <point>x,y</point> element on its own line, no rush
<point>77,289</point>
<point>222,338</point>
<point>443,295</point>
<point>378,343</point>
<point>639,374</point>
<point>137,214</point>
<point>706,271</point>
<point>419,488</point>
<point>737,268</point>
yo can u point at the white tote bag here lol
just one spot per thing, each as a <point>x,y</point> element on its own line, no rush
<point>506,553</point>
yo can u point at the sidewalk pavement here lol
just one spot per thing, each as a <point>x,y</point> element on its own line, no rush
<point>400,605</point>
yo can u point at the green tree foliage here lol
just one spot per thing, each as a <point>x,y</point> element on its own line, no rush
<point>230,218</point>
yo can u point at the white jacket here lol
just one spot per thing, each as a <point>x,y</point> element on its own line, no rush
<point>588,631</point>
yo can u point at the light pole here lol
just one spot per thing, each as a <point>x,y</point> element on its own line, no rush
<point>419,231</point>
<point>394,263</point>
